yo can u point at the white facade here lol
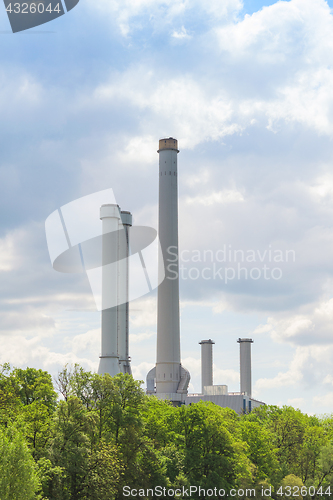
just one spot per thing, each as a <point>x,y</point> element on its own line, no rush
<point>238,402</point>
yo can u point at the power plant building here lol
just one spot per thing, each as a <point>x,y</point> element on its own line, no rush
<point>241,402</point>
<point>168,379</point>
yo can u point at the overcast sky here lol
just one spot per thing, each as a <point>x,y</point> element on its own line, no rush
<point>246,88</point>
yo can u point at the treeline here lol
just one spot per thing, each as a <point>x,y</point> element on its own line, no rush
<point>105,434</point>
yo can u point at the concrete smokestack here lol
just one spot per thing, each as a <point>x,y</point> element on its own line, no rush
<point>206,363</point>
<point>171,378</point>
<point>109,359</point>
<point>168,329</point>
<point>245,366</point>
<point>123,292</point>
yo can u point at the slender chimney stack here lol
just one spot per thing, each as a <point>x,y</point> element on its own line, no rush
<point>206,364</point>
<point>245,366</point>
<point>114,356</point>
<point>123,292</point>
<point>168,330</point>
<point>109,358</point>
<point>171,378</point>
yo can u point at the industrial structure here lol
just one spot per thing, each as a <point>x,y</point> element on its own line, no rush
<point>114,356</point>
<point>168,379</point>
<point>245,366</point>
<point>206,364</point>
<point>241,402</point>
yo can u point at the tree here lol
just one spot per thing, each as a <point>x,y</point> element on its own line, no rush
<point>260,450</point>
<point>9,399</point>
<point>291,487</point>
<point>35,385</point>
<point>287,427</point>
<point>38,427</point>
<point>18,475</point>
<point>214,456</point>
<point>70,448</point>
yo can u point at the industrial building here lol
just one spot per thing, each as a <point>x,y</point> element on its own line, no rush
<point>168,379</point>
<point>241,402</point>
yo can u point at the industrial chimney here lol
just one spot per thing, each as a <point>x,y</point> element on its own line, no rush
<point>206,364</point>
<point>114,356</point>
<point>109,358</point>
<point>245,366</point>
<point>123,292</point>
<point>171,378</point>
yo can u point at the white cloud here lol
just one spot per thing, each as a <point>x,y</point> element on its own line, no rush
<point>140,371</point>
<point>140,337</point>
<point>326,400</point>
<point>286,379</point>
<point>195,115</point>
<point>139,150</point>
<point>226,196</point>
<point>143,312</point>
<point>182,34</point>
<point>273,30</point>
<point>313,326</point>
<point>133,15</point>
<point>295,402</point>
<point>8,259</point>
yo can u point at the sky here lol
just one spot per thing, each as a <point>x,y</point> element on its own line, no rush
<point>246,88</point>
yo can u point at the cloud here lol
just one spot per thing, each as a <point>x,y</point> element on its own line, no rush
<point>313,326</point>
<point>249,99</point>
<point>289,45</point>
<point>132,16</point>
<point>295,402</point>
<point>322,401</point>
<point>143,312</point>
<point>290,378</point>
<point>141,337</point>
<point>216,197</point>
<point>195,115</point>
<point>181,35</point>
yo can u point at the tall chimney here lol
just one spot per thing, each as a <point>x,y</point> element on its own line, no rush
<point>170,377</point>
<point>245,366</point>
<point>123,292</point>
<point>168,330</point>
<point>206,364</point>
<point>109,359</point>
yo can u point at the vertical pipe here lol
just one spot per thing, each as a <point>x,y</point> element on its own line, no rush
<point>206,364</point>
<point>245,366</point>
<point>168,368</point>
<point>123,292</point>
<point>109,360</point>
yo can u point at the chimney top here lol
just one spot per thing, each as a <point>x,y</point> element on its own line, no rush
<point>168,143</point>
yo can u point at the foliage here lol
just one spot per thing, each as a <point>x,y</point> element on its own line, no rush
<point>104,433</point>
<point>18,475</point>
